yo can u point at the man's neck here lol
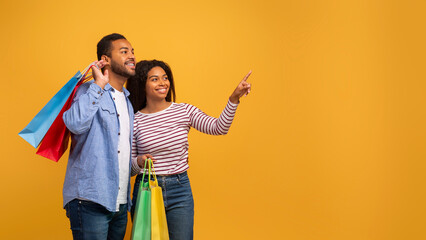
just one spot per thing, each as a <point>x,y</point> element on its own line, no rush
<point>117,81</point>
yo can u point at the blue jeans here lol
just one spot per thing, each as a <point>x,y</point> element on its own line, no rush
<point>91,221</point>
<point>179,204</point>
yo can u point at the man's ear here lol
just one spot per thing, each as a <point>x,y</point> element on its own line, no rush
<point>105,58</point>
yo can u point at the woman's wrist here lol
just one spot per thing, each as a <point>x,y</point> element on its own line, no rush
<point>234,99</point>
<point>140,161</point>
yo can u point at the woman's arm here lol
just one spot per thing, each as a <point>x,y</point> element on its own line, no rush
<point>136,169</point>
<point>138,161</point>
<point>219,126</point>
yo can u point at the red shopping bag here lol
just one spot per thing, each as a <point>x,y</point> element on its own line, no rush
<point>55,142</point>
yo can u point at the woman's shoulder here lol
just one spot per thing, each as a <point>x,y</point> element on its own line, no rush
<point>185,106</point>
<point>172,107</point>
<point>138,115</point>
<point>181,104</point>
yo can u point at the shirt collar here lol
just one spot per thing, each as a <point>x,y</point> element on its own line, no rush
<point>108,87</point>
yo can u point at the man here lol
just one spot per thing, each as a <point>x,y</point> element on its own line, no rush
<point>97,183</point>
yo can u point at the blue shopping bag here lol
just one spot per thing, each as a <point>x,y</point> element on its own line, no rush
<point>35,131</point>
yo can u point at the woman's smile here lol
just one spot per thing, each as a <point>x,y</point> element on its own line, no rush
<point>157,84</point>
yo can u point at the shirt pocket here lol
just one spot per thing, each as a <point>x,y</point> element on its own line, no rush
<point>108,116</point>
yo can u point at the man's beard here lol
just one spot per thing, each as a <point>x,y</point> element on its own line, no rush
<point>121,70</point>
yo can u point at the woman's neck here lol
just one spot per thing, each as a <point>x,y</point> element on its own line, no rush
<point>153,106</point>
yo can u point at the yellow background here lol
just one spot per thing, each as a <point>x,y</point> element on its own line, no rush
<point>330,144</point>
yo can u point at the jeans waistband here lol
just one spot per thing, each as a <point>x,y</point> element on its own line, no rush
<point>164,177</point>
<point>173,175</point>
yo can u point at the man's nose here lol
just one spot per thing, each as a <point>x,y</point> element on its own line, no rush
<point>132,55</point>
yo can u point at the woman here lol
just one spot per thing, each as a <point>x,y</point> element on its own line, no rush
<point>161,129</point>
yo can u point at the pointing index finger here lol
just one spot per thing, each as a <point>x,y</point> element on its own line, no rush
<point>246,77</point>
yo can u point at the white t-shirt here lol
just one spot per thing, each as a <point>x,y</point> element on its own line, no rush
<point>123,145</point>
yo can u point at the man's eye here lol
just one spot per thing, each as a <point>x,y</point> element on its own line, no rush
<point>124,52</point>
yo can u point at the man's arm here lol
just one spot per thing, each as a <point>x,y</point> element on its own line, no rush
<point>86,101</point>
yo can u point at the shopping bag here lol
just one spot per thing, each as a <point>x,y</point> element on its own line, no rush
<point>55,142</point>
<point>159,230</point>
<point>34,132</point>
<point>141,229</point>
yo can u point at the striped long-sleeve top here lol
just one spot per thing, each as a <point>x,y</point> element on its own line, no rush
<point>164,134</point>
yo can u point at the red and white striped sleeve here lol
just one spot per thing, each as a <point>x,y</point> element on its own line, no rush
<point>210,125</point>
<point>135,167</point>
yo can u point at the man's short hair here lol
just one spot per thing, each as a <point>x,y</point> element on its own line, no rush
<point>105,44</point>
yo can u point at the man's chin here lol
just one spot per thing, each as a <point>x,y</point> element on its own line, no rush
<point>132,73</point>
<point>124,72</point>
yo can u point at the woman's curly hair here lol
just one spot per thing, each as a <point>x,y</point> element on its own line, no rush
<point>137,83</point>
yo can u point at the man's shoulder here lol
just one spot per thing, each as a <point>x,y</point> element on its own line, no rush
<point>86,85</point>
<point>83,87</point>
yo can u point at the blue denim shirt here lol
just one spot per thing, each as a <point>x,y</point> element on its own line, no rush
<point>92,171</point>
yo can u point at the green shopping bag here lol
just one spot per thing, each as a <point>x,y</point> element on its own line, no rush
<point>142,219</point>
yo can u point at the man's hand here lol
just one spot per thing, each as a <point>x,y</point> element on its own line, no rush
<point>101,79</point>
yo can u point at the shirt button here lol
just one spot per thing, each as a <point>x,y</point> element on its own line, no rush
<point>113,98</point>
<point>118,115</point>
<point>118,133</point>
<point>99,92</point>
<point>93,103</point>
<point>118,151</point>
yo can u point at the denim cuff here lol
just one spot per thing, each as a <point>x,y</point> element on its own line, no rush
<point>95,90</point>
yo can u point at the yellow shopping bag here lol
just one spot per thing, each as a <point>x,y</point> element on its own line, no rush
<point>159,230</point>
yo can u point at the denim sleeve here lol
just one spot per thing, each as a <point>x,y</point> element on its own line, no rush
<point>83,109</point>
